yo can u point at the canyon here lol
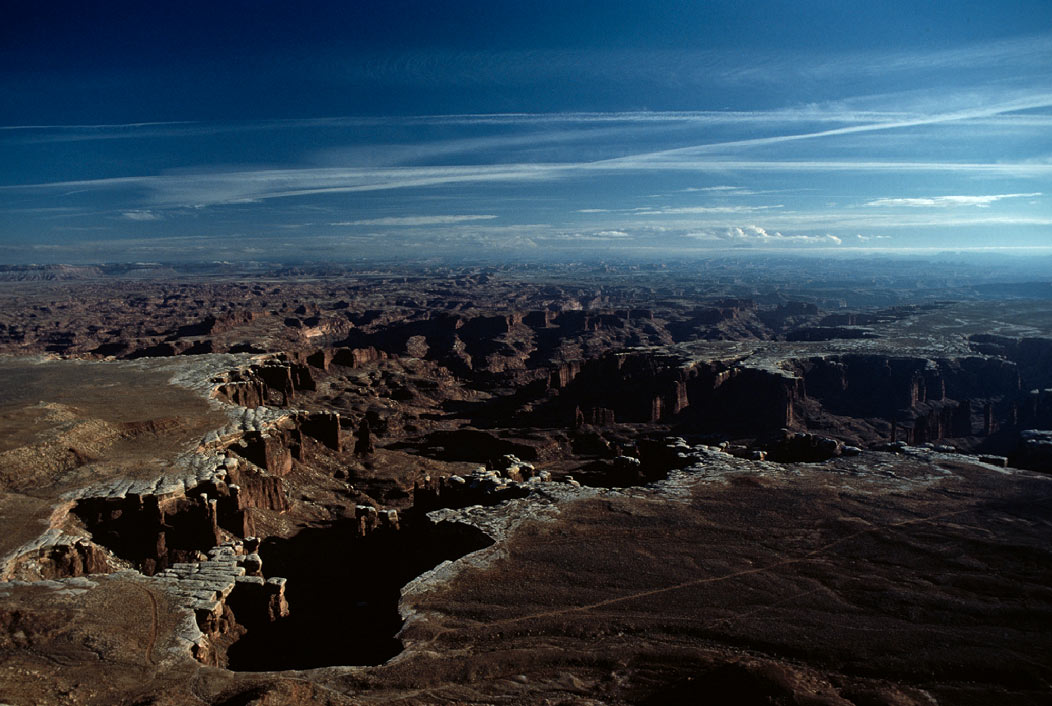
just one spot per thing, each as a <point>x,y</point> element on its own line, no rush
<point>532,485</point>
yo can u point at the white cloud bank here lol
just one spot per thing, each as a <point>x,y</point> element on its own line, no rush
<point>695,210</point>
<point>141,215</point>
<point>944,201</point>
<point>414,220</point>
<point>755,235</point>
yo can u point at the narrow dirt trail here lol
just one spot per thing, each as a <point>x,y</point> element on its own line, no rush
<point>725,577</point>
<point>153,625</point>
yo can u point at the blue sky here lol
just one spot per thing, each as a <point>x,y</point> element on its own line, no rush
<point>276,130</point>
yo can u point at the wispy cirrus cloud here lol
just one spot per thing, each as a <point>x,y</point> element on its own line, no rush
<point>1028,168</point>
<point>208,189</point>
<point>141,215</point>
<point>755,235</point>
<point>696,210</point>
<point>414,220</point>
<point>600,162</point>
<point>727,190</point>
<point>850,220</point>
<point>565,123</point>
<point>856,110</point>
<point>1028,101</point>
<point>945,201</point>
<point>243,186</point>
<point>1033,52</point>
<point>684,69</point>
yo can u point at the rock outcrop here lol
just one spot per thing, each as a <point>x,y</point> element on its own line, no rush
<point>1034,450</point>
<point>226,595</point>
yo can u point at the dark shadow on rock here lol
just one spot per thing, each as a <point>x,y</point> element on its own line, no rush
<point>343,593</point>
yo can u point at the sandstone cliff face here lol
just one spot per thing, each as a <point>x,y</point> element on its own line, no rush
<point>272,452</point>
<point>1035,410</point>
<point>1034,450</point>
<point>254,490</point>
<point>927,399</point>
<point>911,398</point>
<point>870,385</point>
<point>562,375</point>
<point>653,387</point>
<point>178,527</point>
<point>227,595</point>
<point>742,397</point>
<point>151,531</point>
<point>178,519</point>
<point>1033,355</point>
<point>919,399</point>
<point>495,345</point>
<point>935,421</point>
<point>352,357</point>
<point>65,558</point>
<point>273,382</point>
<point>626,387</point>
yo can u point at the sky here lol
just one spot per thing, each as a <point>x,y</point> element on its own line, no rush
<point>330,131</point>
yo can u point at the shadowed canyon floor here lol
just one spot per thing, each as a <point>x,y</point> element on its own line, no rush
<point>541,486</point>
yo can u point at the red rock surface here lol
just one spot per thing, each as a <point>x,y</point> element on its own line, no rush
<point>375,480</point>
